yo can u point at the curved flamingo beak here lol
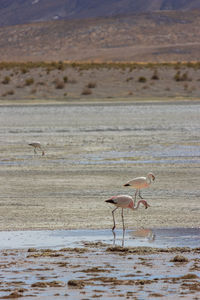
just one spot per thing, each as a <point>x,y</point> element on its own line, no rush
<point>144,202</point>
<point>147,205</point>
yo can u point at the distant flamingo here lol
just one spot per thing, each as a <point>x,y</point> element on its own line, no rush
<point>37,145</point>
<point>124,201</point>
<point>140,183</point>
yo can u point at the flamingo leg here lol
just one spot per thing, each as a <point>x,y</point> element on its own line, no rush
<point>123,219</point>
<point>114,237</point>
<point>140,195</point>
<point>114,218</point>
<point>123,238</point>
<point>136,194</point>
<point>35,151</point>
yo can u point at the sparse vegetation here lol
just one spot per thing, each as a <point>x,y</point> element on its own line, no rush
<point>114,84</point>
<point>10,92</point>
<point>59,84</point>
<point>65,79</point>
<point>25,67</point>
<point>155,75</point>
<point>86,91</point>
<point>142,79</point>
<point>91,85</point>
<point>6,80</point>
<point>24,70</point>
<point>181,77</point>
<point>29,81</point>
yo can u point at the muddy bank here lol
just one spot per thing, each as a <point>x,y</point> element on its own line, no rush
<point>96,271</point>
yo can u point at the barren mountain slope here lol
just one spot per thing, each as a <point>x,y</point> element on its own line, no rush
<point>163,36</point>
<point>13,12</point>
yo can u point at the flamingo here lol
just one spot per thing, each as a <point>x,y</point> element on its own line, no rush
<point>140,183</point>
<point>37,145</point>
<point>124,201</point>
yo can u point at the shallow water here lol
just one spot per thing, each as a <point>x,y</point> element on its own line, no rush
<point>56,239</point>
<point>170,132</point>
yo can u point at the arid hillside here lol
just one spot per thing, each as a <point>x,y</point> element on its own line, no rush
<point>156,37</point>
<point>13,12</point>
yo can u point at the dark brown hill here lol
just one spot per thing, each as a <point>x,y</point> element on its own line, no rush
<point>161,36</point>
<point>13,12</point>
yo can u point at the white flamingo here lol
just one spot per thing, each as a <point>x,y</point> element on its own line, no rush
<point>140,183</point>
<point>37,145</point>
<point>124,201</point>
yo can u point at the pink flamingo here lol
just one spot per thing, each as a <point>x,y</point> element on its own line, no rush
<point>124,201</point>
<point>141,183</point>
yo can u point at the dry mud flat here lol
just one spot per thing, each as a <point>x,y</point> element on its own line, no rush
<point>100,271</point>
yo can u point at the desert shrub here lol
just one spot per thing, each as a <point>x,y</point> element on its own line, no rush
<point>181,77</point>
<point>29,81</point>
<point>6,80</point>
<point>24,70</point>
<point>155,75</point>
<point>65,79</point>
<point>86,91</point>
<point>59,84</point>
<point>185,77</point>
<point>177,76</point>
<point>91,85</point>
<point>10,92</point>
<point>142,79</point>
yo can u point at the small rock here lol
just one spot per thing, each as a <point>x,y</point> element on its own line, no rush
<point>76,283</point>
<point>179,258</point>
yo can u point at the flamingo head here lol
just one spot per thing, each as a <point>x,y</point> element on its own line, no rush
<point>152,176</point>
<point>144,202</point>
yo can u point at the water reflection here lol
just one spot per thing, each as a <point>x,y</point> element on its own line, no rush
<point>142,233</point>
<point>114,237</point>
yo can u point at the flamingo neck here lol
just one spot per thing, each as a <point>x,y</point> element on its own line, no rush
<point>148,179</point>
<point>138,204</point>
